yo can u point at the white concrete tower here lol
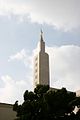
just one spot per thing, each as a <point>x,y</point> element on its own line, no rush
<point>41,65</point>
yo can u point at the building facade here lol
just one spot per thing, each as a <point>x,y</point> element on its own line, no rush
<point>6,112</point>
<point>41,65</point>
<point>78,93</point>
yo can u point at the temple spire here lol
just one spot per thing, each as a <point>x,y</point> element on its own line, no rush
<point>41,64</point>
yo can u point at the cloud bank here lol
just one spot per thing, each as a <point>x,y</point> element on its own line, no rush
<point>22,56</point>
<point>64,72</point>
<point>65,67</point>
<point>61,14</point>
<point>13,89</point>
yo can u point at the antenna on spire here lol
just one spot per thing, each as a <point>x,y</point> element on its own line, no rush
<point>41,31</point>
<point>41,35</point>
<point>42,43</point>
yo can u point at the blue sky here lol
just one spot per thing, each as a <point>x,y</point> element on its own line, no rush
<point>20,25</point>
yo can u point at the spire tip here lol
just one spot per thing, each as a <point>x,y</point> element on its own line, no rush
<point>41,35</point>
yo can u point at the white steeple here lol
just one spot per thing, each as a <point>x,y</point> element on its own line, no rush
<point>41,64</point>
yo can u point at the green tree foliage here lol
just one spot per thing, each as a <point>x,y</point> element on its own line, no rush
<point>76,102</point>
<point>44,104</point>
<point>78,114</point>
<point>58,102</point>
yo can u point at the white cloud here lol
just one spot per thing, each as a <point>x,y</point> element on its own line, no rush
<point>22,56</point>
<point>65,66</point>
<point>62,14</point>
<point>19,56</point>
<point>14,89</point>
<point>12,6</point>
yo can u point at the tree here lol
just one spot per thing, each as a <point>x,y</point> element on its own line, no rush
<point>76,102</point>
<point>78,114</point>
<point>44,104</point>
<point>58,102</point>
